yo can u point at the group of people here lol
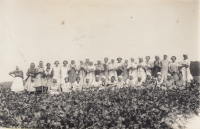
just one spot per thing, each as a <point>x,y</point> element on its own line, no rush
<point>163,74</point>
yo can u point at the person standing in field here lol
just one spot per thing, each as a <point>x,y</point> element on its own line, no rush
<point>119,69</point>
<point>106,71</point>
<point>57,73</point>
<point>31,72</point>
<point>112,69</point>
<point>173,68</point>
<point>64,71</point>
<point>141,69</point>
<point>132,67</point>
<point>148,66</point>
<point>185,68</point>
<point>90,72</point>
<point>17,85</point>
<point>72,72</point>
<point>82,72</point>
<point>156,66</point>
<point>125,70</point>
<point>164,67</point>
<point>48,75</point>
<point>39,80</point>
<point>99,69</point>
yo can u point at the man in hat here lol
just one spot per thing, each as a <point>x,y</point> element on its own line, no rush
<point>119,69</point>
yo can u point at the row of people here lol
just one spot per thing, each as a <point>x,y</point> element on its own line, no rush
<point>43,76</point>
<point>112,84</point>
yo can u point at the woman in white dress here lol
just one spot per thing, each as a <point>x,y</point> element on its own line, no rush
<point>164,67</point>
<point>185,68</point>
<point>125,70</point>
<point>57,73</point>
<point>173,68</point>
<point>106,71</point>
<point>148,66</point>
<point>66,86</point>
<point>133,69</point>
<point>77,86</point>
<point>30,85</point>
<point>64,71</point>
<point>141,69</point>
<point>18,76</point>
<point>82,71</point>
<point>90,72</point>
<point>112,69</point>
<point>54,87</point>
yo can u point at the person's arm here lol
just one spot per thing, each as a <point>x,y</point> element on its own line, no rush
<point>22,75</point>
<point>12,73</point>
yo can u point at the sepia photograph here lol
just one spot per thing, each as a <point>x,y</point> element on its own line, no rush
<point>99,64</point>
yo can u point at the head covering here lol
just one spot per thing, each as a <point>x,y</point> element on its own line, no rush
<point>120,76</point>
<point>56,61</point>
<point>139,76</point>
<point>148,56</point>
<point>97,76</point>
<point>185,55</point>
<point>165,54</point>
<point>158,73</point>
<point>169,75</point>
<point>119,58</point>
<point>132,58</point>
<point>159,76</point>
<point>103,77</point>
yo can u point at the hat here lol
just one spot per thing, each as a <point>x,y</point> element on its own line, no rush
<point>103,77</point>
<point>119,58</point>
<point>158,73</point>
<point>165,54</point>
<point>185,55</point>
<point>174,57</point>
<point>97,76</point>
<point>56,61</point>
<point>169,75</point>
<point>159,77</point>
<point>120,76</point>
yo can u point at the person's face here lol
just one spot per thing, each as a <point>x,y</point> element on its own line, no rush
<point>65,63</point>
<point>103,79</point>
<point>165,56</point>
<point>131,77</point>
<point>132,60</point>
<point>184,56</point>
<point>41,63</point>
<point>126,61</point>
<point>147,58</point>
<point>87,60</point>
<point>72,62</point>
<point>99,62</point>
<point>119,79</point>
<point>159,79</point>
<point>140,60</point>
<point>106,59</point>
<point>139,79</point>
<point>173,59</point>
<point>81,62</point>
<point>17,68</point>
<point>148,77</point>
<point>97,79</point>
<point>112,60</point>
<point>32,65</point>
<point>87,80</point>
<point>78,79</point>
<point>119,60</point>
<point>56,63</point>
<point>180,76</point>
<point>112,79</point>
<point>54,80</point>
<point>168,77</point>
<point>91,63</point>
<point>66,80</point>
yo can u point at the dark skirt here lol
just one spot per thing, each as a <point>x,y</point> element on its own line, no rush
<point>39,89</point>
<point>155,71</point>
<point>119,72</point>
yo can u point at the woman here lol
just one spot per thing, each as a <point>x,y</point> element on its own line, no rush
<point>120,82</point>
<point>39,80</point>
<point>48,75</point>
<point>18,76</point>
<point>148,66</point>
<point>82,72</point>
<point>54,87</point>
<point>125,70</point>
<point>173,68</point>
<point>132,67</point>
<point>64,71</point>
<point>164,67</point>
<point>67,86</point>
<point>106,68</point>
<point>185,68</point>
<point>99,69</point>
<point>181,83</point>
<point>141,69</point>
<point>112,69</point>
<point>157,66</point>
<point>90,72</point>
<point>57,72</point>
<point>72,72</point>
<point>77,86</point>
<point>119,69</point>
<point>31,76</point>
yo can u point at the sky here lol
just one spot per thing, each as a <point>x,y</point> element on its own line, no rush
<point>49,30</point>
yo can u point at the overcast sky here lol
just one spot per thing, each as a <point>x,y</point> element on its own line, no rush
<point>47,30</point>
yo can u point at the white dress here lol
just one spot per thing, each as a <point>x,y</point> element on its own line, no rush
<point>186,71</point>
<point>120,84</point>
<point>90,73</point>
<point>17,84</point>
<point>66,87</point>
<point>130,83</point>
<point>133,72</point>
<point>57,74</point>
<point>77,86</point>
<point>164,68</point>
<point>54,88</point>
<point>148,66</point>
<point>141,71</point>
<point>64,73</point>
<point>112,70</point>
